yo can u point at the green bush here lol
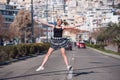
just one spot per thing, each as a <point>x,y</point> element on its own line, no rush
<point>3,55</point>
<point>16,51</point>
<point>101,46</point>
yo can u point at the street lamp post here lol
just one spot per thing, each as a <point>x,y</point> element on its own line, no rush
<point>113,4</point>
<point>47,18</point>
<point>64,5</point>
<point>32,21</point>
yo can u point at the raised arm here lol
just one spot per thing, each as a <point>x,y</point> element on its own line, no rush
<point>72,29</point>
<point>42,22</point>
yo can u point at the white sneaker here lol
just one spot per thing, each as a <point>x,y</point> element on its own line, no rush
<point>40,68</point>
<point>69,67</point>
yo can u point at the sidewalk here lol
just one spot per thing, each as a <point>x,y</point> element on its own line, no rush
<point>108,54</point>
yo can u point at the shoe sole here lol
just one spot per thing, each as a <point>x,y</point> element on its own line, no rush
<point>70,68</point>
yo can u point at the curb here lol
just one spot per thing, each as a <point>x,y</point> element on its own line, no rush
<point>107,54</point>
<point>14,60</point>
<point>20,58</point>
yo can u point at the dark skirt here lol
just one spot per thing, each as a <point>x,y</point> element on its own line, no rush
<point>59,42</point>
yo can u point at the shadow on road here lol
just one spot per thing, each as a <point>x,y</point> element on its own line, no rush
<point>98,67</point>
<point>76,72</point>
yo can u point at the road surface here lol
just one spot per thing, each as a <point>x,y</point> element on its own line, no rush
<point>87,65</point>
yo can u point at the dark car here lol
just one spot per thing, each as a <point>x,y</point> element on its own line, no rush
<point>69,46</point>
<point>81,44</point>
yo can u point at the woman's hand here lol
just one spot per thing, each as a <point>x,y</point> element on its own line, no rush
<point>37,19</point>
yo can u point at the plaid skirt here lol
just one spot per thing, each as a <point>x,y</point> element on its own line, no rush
<point>58,42</point>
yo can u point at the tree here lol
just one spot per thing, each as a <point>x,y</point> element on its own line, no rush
<point>1,26</point>
<point>21,26</point>
<point>1,21</point>
<point>38,32</point>
<point>4,30</point>
<point>116,38</point>
<point>98,35</point>
<point>118,5</point>
<point>111,34</point>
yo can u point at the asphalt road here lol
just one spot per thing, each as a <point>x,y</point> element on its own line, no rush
<point>87,65</point>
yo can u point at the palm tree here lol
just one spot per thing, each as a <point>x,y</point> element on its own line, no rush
<point>111,34</point>
<point>117,37</point>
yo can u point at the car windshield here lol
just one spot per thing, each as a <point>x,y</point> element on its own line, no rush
<point>81,41</point>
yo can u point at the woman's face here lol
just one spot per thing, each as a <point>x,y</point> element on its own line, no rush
<point>59,22</point>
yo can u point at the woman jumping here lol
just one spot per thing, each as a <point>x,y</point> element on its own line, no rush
<point>57,41</point>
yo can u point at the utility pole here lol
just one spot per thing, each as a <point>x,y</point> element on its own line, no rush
<point>32,23</point>
<point>47,18</point>
<point>113,4</point>
<point>64,6</point>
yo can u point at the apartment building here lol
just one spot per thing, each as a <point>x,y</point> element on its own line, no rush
<point>8,12</point>
<point>91,13</point>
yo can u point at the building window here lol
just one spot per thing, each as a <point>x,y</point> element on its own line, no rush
<point>4,13</point>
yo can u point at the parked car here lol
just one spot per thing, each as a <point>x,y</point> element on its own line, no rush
<point>7,43</point>
<point>81,44</point>
<point>69,46</point>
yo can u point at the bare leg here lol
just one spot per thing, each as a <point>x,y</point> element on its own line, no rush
<point>47,56</point>
<point>64,56</point>
<point>45,59</point>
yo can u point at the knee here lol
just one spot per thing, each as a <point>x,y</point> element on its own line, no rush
<point>63,54</point>
<point>48,54</point>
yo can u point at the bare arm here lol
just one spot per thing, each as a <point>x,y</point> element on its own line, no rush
<point>42,22</point>
<point>72,27</point>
